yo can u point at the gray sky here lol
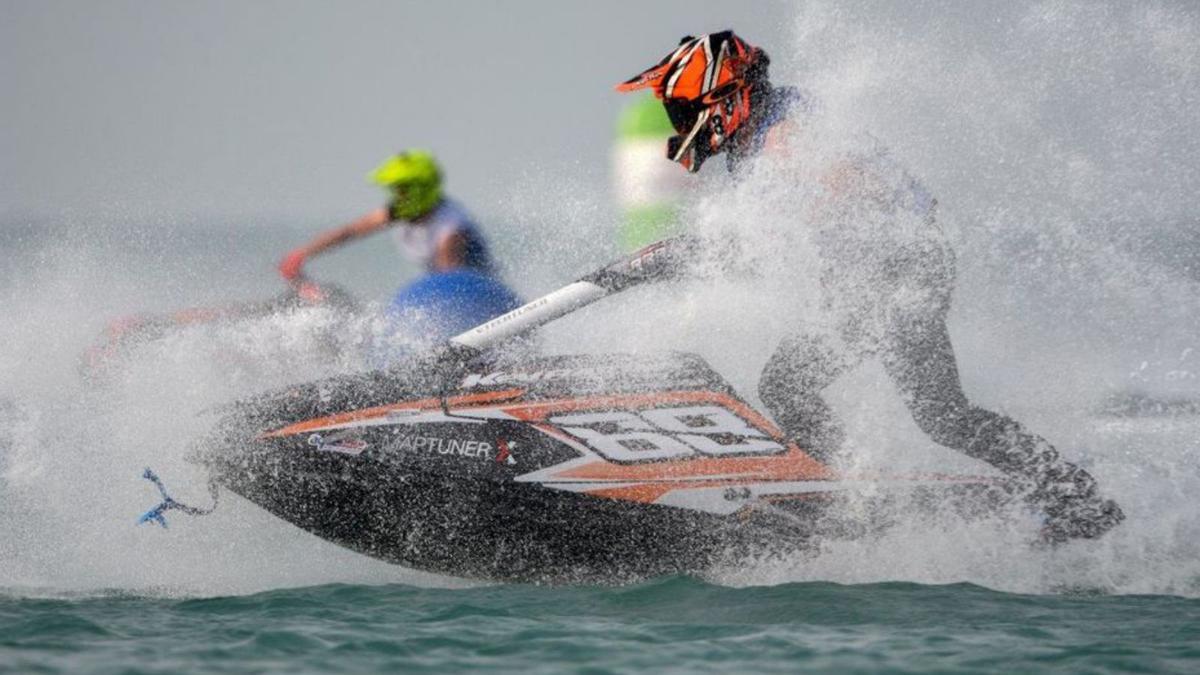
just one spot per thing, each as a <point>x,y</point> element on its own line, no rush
<point>280,108</point>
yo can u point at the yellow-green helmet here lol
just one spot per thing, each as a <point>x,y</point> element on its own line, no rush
<point>414,181</point>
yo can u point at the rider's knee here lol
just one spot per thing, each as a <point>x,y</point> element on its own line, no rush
<point>959,427</point>
<point>775,388</point>
<point>800,366</point>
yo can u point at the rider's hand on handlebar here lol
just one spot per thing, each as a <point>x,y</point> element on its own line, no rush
<point>310,292</point>
<point>292,265</point>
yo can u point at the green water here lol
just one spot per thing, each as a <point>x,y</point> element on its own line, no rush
<point>672,625</point>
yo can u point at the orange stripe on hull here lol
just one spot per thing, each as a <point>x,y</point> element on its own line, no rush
<point>647,493</point>
<point>471,400</point>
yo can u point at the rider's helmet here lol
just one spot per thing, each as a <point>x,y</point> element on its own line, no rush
<point>414,181</point>
<point>705,85</point>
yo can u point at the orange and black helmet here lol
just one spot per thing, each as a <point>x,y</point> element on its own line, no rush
<point>705,85</point>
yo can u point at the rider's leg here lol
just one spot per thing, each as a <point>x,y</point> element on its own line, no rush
<point>920,360</point>
<point>791,384</point>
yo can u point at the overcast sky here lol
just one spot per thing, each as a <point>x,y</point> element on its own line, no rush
<point>280,108</point>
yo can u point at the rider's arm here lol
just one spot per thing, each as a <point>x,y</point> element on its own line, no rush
<point>775,140</point>
<point>451,252</point>
<point>367,225</point>
<point>854,181</point>
<point>376,220</point>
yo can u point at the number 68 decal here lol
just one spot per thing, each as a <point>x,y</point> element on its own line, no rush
<point>667,433</point>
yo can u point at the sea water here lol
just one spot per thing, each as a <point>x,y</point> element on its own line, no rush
<point>669,625</point>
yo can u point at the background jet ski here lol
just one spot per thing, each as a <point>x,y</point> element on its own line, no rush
<point>123,336</point>
<point>431,309</point>
<point>562,468</point>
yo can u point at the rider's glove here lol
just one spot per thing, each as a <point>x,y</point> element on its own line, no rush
<point>310,292</point>
<point>292,265</point>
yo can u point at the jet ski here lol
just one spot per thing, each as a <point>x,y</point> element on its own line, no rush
<point>123,336</point>
<point>432,308</point>
<point>487,462</point>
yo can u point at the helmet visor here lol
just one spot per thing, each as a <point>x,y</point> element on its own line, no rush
<point>683,113</point>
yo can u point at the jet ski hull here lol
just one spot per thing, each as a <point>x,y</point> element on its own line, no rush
<point>557,469</point>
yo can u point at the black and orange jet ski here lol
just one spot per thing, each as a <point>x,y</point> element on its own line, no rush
<point>549,468</point>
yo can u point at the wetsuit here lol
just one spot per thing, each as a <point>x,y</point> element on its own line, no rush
<point>419,239</point>
<point>888,296</point>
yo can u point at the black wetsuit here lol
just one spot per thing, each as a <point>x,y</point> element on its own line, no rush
<point>889,298</point>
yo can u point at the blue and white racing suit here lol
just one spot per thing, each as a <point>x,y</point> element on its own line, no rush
<point>419,239</point>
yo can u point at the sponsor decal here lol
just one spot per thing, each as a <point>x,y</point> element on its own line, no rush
<point>473,380</point>
<point>737,494</point>
<point>648,256</point>
<point>435,445</point>
<point>515,314</point>
<point>344,443</point>
<point>504,456</point>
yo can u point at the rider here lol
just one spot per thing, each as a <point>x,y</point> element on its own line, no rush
<point>886,293</point>
<point>431,229</point>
